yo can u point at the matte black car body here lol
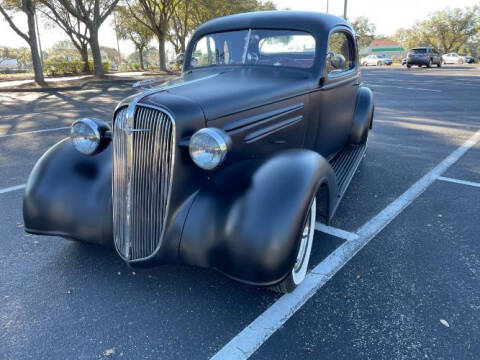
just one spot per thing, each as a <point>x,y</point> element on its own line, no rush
<point>244,218</point>
<point>424,56</point>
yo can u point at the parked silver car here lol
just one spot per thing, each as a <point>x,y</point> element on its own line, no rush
<point>375,60</point>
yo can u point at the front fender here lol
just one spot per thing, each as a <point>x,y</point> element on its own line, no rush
<point>246,221</point>
<point>69,194</point>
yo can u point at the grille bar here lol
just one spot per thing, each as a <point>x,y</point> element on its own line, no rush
<point>142,173</point>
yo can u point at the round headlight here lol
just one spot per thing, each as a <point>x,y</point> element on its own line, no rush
<point>208,147</point>
<point>86,135</point>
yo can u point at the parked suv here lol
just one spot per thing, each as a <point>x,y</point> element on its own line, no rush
<point>427,56</point>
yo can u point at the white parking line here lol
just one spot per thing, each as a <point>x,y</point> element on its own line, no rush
<point>342,234</point>
<point>458,181</point>
<point>406,88</point>
<point>244,344</point>
<point>12,188</point>
<point>35,131</point>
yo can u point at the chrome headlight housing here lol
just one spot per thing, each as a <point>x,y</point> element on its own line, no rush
<point>208,147</point>
<point>90,136</point>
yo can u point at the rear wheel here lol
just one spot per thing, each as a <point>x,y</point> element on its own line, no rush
<point>439,64</point>
<point>299,271</point>
<point>409,66</point>
<point>460,61</point>
<point>364,64</point>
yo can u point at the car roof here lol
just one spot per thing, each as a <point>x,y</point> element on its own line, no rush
<point>313,22</point>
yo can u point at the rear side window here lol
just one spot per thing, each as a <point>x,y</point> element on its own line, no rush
<point>341,53</point>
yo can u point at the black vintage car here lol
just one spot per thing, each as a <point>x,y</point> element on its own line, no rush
<point>228,167</point>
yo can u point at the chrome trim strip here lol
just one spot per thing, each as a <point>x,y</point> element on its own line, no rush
<point>268,130</point>
<point>262,118</point>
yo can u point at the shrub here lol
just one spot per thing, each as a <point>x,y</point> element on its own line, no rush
<point>70,67</point>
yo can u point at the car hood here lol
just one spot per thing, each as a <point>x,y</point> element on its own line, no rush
<point>232,90</point>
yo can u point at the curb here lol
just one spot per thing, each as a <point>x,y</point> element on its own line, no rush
<point>66,88</point>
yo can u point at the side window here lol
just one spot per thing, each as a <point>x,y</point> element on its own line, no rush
<point>205,53</point>
<point>341,53</point>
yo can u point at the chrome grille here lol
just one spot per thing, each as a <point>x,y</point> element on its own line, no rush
<point>143,155</point>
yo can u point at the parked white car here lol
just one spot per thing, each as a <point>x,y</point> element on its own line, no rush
<point>375,60</point>
<point>453,58</point>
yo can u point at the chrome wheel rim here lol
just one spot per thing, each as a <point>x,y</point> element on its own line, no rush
<point>299,270</point>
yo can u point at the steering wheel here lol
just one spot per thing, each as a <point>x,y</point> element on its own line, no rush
<point>252,57</point>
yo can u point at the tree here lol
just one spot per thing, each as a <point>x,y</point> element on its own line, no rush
<point>150,57</point>
<point>92,13</point>
<point>109,54</point>
<point>156,16</point>
<point>27,7</point>
<point>365,31</point>
<point>447,30</point>
<point>130,29</point>
<point>190,14</point>
<point>63,51</point>
<point>71,25</point>
<point>181,24</point>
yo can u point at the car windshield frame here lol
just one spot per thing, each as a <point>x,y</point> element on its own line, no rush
<point>246,61</point>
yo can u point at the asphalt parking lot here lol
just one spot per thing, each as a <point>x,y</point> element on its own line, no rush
<point>395,276</point>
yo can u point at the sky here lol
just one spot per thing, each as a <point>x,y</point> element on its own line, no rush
<point>387,15</point>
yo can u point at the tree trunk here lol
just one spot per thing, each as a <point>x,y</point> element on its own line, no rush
<point>161,52</point>
<point>84,55</point>
<point>140,55</point>
<point>182,44</point>
<point>32,35</point>
<point>97,56</point>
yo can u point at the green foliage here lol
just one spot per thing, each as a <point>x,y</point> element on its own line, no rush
<point>53,68</point>
<point>129,28</point>
<point>62,51</point>
<point>447,30</point>
<point>365,31</point>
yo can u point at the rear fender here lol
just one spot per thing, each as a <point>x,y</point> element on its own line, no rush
<point>246,221</point>
<point>363,117</point>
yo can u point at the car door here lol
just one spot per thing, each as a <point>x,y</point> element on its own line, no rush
<point>335,99</point>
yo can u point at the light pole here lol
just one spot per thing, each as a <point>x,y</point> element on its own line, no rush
<point>116,35</point>
<point>38,36</point>
<point>327,6</point>
<point>345,10</point>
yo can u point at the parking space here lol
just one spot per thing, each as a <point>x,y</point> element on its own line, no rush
<point>412,293</point>
<point>60,299</point>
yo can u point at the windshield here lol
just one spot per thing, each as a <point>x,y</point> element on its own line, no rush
<point>255,47</point>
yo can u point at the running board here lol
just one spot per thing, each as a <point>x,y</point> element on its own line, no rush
<point>345,164</point>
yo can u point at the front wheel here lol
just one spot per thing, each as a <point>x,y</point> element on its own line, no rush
<point>299,271</point>
<point>409,66</point>
<point>364,64</point>
<point>429,65</point>
<point>439,64</point>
